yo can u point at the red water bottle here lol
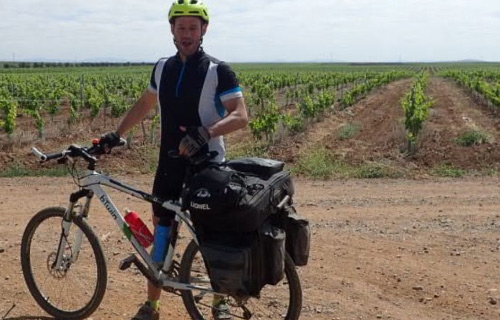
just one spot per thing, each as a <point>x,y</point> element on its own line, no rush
<point>139,228</point>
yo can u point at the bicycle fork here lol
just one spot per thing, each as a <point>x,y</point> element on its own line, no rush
<point>61,262</point>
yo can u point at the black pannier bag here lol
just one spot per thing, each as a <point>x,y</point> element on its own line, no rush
<point>231,207</point>
<point>230,268</point>
<point>298,237</point>
<point>222,199</point>
<point>242,264</point>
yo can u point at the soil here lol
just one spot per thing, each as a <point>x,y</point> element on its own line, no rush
<point>381,249</point>
<point>420,248</point>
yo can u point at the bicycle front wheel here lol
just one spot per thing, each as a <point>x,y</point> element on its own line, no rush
<point>281,301</point>
<point>76,288</point>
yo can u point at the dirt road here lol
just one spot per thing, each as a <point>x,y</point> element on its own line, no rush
<point>382,249</point>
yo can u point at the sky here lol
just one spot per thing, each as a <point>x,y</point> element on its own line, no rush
<point>255,30</point>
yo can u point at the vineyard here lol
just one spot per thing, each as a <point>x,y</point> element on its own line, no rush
<point>406,245</point>
<point>286,104</point>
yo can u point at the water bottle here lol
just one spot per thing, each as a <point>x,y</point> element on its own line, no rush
<point>139,228</point>
<point>161,241</point>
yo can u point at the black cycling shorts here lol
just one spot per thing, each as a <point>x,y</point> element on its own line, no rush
<point>168,183</point>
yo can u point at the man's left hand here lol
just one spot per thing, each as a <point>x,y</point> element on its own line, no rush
<point>195,139</point>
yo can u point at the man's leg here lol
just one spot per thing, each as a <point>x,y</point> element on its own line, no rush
<point>167,185</point>
<point>154,293</point>
<point>150,309</point>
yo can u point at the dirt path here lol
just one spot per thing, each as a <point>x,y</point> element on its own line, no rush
<point>382,249</point>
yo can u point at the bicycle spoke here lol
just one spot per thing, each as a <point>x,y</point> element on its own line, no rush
<point>72,287</point>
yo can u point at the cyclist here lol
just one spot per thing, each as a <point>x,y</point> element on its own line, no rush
<point>200,100</point>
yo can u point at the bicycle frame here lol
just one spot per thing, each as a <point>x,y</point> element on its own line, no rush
<point>91,183</point>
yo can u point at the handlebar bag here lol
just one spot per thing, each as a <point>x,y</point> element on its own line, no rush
<point>222,199</point>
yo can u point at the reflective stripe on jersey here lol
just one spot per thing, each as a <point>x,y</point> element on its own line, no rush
<point>153,87</point>
<point>231,94</point>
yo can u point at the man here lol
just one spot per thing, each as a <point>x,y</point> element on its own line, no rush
<point>200,101</point>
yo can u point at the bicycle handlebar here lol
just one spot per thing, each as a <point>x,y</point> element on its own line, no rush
<point>75,151</point>
<point>87,153</point>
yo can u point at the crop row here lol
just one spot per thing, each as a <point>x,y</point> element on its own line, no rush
<point>304,92</point>
<point>484,84</point>
<point>416,105</point>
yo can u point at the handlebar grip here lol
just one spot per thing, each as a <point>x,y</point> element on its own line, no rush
<point>51,156</point>
<point>45,157</point>
<point>38,154</point>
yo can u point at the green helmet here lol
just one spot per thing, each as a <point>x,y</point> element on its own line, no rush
<point>182,8</point>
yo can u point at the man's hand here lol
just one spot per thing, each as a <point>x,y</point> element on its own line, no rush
<point>195,139</point>
<point>109,141</point>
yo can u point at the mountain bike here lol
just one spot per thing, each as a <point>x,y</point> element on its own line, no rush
<point>65,268</point>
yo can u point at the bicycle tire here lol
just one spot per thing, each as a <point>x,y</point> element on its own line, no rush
<point>41,221</point>
<point>192,306</point>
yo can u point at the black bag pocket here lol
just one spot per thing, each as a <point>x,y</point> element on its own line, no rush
<point>241,264</point>
<point>229,267</point>
<point>272,247</point>
<point>298,237</point>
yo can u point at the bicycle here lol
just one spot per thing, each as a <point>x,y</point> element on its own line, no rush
<point>62,240</point>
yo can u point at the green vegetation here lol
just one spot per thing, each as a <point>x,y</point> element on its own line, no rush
<point>19,170</point>
<point>416,105</point>
<point>317,164</point>
<point>283,99</point>
<point>449,171</point>
<point>473,137</point>
<point>372,171</point>
<point>348,131</point>
<point>483,83</point>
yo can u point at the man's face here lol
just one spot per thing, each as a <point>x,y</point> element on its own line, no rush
<point>188,32</point>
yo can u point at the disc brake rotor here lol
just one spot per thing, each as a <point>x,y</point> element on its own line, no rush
<point>56,272</point>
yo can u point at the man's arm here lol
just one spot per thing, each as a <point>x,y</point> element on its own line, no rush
<point>138,112</point>
<point>236,118</point>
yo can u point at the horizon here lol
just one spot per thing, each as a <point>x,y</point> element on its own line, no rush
<point>122,62</point>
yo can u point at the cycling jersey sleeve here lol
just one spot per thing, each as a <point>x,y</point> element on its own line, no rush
<point>228,86</point>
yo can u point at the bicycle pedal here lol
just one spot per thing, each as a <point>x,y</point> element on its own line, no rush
<point>127,262</point>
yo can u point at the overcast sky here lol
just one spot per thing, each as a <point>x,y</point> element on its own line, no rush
<point>255,30</point>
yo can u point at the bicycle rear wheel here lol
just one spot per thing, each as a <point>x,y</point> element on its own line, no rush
<point>281,301</point>
<point>75,290</point>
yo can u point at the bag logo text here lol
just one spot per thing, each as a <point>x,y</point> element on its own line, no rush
<point>200,206</point>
